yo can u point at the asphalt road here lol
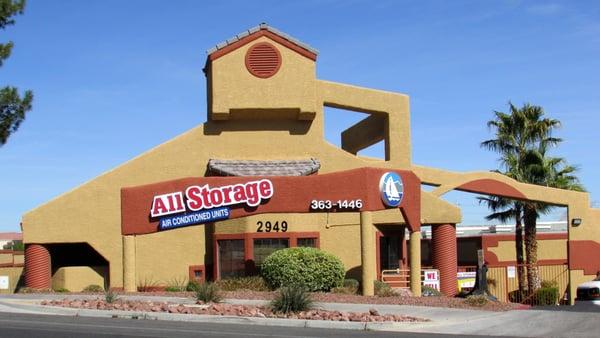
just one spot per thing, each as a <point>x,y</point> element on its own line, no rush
<point>29,326</point>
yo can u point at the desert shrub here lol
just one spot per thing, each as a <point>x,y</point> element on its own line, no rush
<point>291,299</point>
<point>351,284</point>
<point>61,290</point>
<point>148,284</point>
<point>518,296</point>
<point>383,290</point>
<point>428,291</point>
<point>476,300</point>
<point>546,296</point>
<point>350,287</point>
<point>110,296</point>
<point>253,283</point>
<point>93,288</point>
<point>192,286</point>
<point>309,268</point>
<point>26,290</point>
<point>176,284</point>
<point>341,290</point>
<point>208,293</point>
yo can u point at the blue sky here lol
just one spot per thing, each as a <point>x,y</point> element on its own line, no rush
<point>115,78</point>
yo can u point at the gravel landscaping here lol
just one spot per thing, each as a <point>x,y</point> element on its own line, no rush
<point>446,302</point>
<point>228,310</point>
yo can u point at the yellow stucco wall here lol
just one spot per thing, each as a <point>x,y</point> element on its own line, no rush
<point>554,249</point>
<point>13,274</point>
<point>233,87</point>
<point>6,258</point>
<point>163,258</point>
<point>76,278</point>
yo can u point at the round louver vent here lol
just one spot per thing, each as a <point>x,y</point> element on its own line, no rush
<point>263,60</point>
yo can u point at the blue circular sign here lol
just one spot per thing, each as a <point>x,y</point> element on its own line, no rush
<point>391,188</point>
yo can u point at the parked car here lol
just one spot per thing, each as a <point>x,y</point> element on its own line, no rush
<point>589,292</point>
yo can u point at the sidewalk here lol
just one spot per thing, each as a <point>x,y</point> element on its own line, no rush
<point>526,323</point>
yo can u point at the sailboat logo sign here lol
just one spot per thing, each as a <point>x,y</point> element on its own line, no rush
<point>391,188</point>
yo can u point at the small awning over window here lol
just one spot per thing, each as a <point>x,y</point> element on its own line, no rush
<point>263,168</point>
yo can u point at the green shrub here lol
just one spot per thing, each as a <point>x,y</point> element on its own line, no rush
<point>253,283</point>
<point>18,246</point>
<point>171,288</point>
<point>93,288</point>
<point>549,284</point>
<point>291,299</point>
<point>476,300</point>
<point>428,291</point>
<point>383,290</point>
<point>61,290</point>
<point>110,296</point>
<point>546,296</point>
<point>309,268</point>
<point>192,286</point>
<point>208,293</point>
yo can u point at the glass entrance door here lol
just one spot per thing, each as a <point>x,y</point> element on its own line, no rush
<point>390,251</point>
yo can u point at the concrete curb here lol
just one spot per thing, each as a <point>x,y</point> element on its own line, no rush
<point>322,324</point>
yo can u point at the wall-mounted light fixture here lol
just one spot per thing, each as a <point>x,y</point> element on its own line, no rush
<point>576,222</point>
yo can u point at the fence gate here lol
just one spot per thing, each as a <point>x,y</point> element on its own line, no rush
<point>503,283</point>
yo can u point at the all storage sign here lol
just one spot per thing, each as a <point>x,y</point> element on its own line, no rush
<point>201,204</point>
<point>165,205</point>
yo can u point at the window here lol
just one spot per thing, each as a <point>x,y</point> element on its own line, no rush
<point>231,258</point>
<point>263,247</point>
<point>197,273</point>
<point>307,242</point>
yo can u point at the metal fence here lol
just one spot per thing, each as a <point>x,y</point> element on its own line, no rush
<point>503,283</point>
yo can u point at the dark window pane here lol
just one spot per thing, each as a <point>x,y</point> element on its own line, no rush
<point>231,258</point>
<point>263,247</point>
<point>307,242</point>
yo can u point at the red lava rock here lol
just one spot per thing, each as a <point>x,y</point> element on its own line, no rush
<point>232,310</point>
<point>373,312</point>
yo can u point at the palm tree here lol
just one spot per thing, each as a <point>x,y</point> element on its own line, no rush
<point>552,172</point>
<point>505,210</point>
<point>521,138</point>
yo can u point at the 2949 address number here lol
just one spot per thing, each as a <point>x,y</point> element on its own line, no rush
<point>271,227</point>
<point>339,204</point>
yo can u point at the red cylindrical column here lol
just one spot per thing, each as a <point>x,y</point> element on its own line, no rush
<point>37,267</point>
<point>444,256</point>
